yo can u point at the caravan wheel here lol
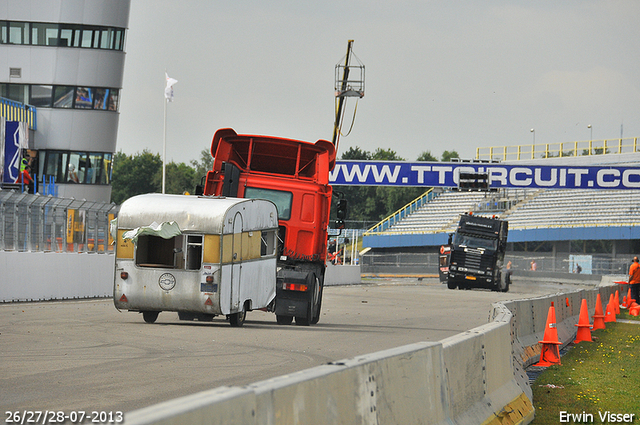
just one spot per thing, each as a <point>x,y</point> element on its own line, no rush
<point>237,319</point>
<point>150,316</point>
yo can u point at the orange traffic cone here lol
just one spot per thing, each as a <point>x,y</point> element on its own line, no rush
<point>584,328</point>
<point>628,298</point>
<point>617,302</point>
<point>635,310</point>
<point>598,315</point>
<point>550,353</point>
<point>610,314</point>
<point>566,300</point>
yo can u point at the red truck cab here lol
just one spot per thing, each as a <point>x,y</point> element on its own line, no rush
<point>294,175</point>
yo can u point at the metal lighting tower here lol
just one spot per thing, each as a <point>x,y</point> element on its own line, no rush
<point>350,84</point>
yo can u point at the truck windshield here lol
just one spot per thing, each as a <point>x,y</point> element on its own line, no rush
<point>280,198</point>
<point>475,242</point>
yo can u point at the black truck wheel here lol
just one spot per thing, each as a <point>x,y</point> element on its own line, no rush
<point>284,320</point>
<point>316,317</point>
<point>313,309</point>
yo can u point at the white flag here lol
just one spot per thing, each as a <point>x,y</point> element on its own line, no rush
<point>168,90</point>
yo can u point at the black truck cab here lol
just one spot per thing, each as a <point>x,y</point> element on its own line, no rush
<point>475,254</point>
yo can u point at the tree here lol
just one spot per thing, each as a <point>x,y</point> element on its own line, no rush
<point>203,165</point>
<point>448,155</point>
<point>135,174</point>
<point>427,157</point>
<point>180,178</point>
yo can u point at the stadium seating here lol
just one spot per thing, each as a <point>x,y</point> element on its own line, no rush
<point>534,209</point>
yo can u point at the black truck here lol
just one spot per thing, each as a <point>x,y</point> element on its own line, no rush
<point>474,256</point>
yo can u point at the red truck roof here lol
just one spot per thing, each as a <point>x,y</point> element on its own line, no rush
<point>275,155</point>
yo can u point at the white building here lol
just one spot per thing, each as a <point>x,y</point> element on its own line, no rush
<point>66,58</point>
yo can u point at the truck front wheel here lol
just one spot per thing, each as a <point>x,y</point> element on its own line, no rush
<point>503,284</point>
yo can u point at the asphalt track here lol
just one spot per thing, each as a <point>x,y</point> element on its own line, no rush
<point>87,356</point>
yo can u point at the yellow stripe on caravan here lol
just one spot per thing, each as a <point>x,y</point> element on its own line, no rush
<point>211,249</point>
<point>251,245</point>
<point>247,247</point>
<point>227,248</point>
<point>124,249</point>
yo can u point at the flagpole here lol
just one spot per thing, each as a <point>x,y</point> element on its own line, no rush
<point>164,146</point>
<point>168,97</point>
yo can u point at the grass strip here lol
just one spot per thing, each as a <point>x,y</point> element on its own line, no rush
<point>598,382</point>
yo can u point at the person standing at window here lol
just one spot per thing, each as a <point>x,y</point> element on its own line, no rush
<point>73,176</point>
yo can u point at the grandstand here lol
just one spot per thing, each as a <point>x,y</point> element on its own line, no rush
<point>555,226</point>
<point>535,209</point>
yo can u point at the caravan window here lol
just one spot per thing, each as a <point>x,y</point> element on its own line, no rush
<point>268,243</point>
<point>154,251</point>
<point>179,252</point>
<point>194,252</point>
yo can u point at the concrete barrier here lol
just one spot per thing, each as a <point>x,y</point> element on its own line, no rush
<point>45,276</point>
<point>342,275</point>
<point>36,276</point>
<point>475,377</point>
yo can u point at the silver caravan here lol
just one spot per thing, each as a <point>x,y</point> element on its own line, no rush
<point>198,256</point>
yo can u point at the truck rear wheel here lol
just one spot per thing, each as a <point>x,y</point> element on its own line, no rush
<point>284,320</point>
<point>316,317</point>
<point>313,309</point>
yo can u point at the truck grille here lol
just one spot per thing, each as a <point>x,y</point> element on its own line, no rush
<point>471,259</point>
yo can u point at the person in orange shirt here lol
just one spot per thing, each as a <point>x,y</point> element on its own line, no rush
<point>634,280</point>
<point>25,177</point>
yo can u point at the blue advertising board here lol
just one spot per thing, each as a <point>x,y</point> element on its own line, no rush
<point>12,153</point>
<point>446,174</point>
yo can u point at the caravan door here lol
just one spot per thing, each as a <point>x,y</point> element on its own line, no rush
<point>236,263</point>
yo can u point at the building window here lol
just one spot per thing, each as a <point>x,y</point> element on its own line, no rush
<point>53,164</point>
<point>43,34</point>
<point>76,167</point>
<point>15,92</point>
<point>18,33</point>
<point>63,96</point>
<point>84,98</point>
<point>61,35</point>
<point>41,96</point>
<point>113,99</point>
<point>66,97</point>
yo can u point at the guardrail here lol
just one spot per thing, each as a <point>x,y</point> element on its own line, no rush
<point>474,377</point>
<point>561,149</point>
<point>401,213</point>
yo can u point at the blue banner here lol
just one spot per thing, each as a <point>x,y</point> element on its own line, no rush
<point>11,152</point>
<point>446,174</point>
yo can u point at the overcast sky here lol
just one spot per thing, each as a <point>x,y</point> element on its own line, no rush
<point>440,75</point>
